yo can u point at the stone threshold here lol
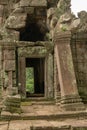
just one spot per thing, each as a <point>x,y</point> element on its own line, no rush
<point>6,116</point>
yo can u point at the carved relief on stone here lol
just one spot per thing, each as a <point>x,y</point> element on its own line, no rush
<point>30,51</point>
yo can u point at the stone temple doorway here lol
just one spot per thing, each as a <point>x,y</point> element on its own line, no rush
<point>37,56</point>
<point>34,77</point>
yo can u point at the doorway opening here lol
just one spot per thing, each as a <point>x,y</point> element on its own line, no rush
<point>30,79</point>
<point>35,77</point>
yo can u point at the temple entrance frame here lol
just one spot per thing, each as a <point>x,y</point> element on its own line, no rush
<point>36,52</point>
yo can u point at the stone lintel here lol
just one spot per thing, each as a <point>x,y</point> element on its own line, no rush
<point>25,44</point>
<point>34,3</point>
<point>32,51</point>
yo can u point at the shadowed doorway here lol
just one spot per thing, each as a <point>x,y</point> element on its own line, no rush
<point>35,66</point>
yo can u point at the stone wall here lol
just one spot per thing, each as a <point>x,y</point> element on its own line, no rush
<point>51,17</point>
<point>79,46</point>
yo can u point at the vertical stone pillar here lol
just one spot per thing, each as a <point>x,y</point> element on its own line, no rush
<point>50,76</point>
<point>45,77</point>
<point>0,70</point>
<point>22,76</point>
<point>9,68</point>
<point>57,95</point>
<point>1,14</point>
<point>70,99</point>
<point>11,99</point>
<point>3,11</point>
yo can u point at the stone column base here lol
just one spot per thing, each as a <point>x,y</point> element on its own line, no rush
<point>13,104</point>
<point>72,103</point>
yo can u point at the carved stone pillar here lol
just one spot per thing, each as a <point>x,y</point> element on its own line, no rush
<point>0,70</point>
<point>70,99</point>
<point>22,76</point>
<point>1,14</point>
<point>11,100</point>
<point>50,76</point>
<point>3,11</point>
<point>57,95</point>
<point>9,68</point>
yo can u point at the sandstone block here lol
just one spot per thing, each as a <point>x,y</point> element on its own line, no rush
<point>9,65</point>
<point>50,12</point>
<point>29,10</point>
<point>41,11</point>
<point>33,3</point>
<point>3,2</point>
<point>1,10</point>
<point>9,55</point>
<point>16,21</point>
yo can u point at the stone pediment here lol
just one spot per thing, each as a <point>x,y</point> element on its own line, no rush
<point>33,3</point>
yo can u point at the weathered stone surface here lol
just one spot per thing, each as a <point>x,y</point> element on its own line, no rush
<point>16,21</point>
<point>29,10</point>
<point>20,14</point>
<point>83,21</point>
<point>53,22</point>
<point>50,128</point>
<point>66,68</point>
<point>4,127</point>
<point>40,12</point>
<point>50,12</point>
<point>3,2</point>
<point>18,10</point>
<point>67,77</point>
<point>75,24</point>
<point>12,91</point>
<point>12,104</point>
<point>62,7</point>
<point>1,10</point>
<point>64,23</point>
<point>10,35</point>
<point>32,51</point>
<point>64,4</point>
<point>9,55</point>
<point>18,125</point>
<point>52,3</point>
<point>9,65</point>
<point>33,3</point>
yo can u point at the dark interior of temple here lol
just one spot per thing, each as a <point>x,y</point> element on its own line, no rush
<point>31,33</point>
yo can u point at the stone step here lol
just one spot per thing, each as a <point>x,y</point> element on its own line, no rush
<point>6,116</point>
<point>37,103</point>
<point>50,128</point>
<point>37,99</point>
<point>44,125</point>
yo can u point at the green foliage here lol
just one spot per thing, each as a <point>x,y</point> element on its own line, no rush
<point>64,28</point>
<point>30,80</point>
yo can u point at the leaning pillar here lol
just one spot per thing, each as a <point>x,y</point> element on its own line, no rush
<point>70,99</point>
